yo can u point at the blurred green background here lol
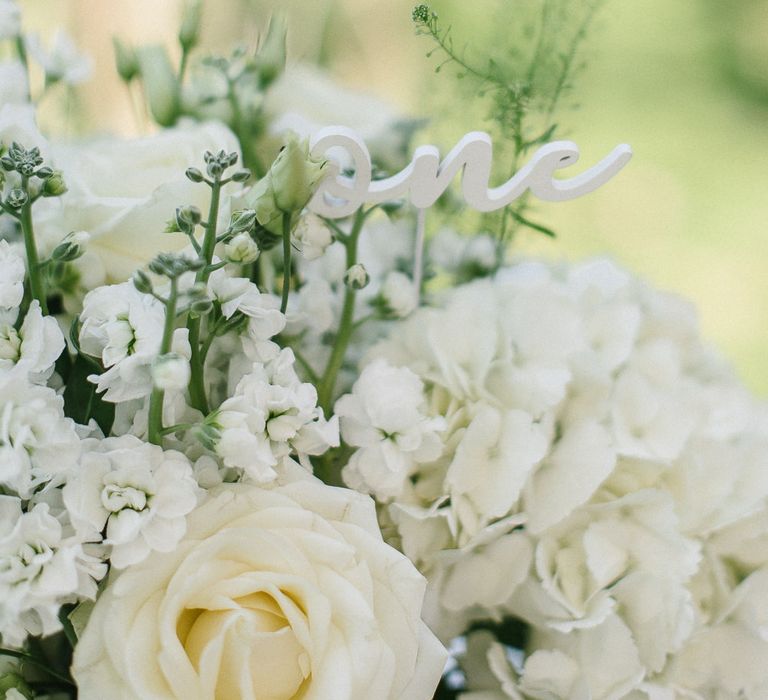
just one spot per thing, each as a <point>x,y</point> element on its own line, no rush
<point>685,82</point>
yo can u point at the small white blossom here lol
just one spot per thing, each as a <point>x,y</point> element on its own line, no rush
<point>139,492</point>
<point>385,416</point>
<point>312,236</point>
<point>272,415</point>
<point>40,569</point>
<point>264,319</point>
<point>12,271</point>
<point>34,348</point>
<point>124,329</point>
<point>62,61</point>
<point>37,442</point>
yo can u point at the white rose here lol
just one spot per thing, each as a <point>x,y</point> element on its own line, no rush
<point>123,191</point>
<point>272,594</point>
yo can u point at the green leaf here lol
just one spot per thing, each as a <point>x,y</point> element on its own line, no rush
<point>81,402</point>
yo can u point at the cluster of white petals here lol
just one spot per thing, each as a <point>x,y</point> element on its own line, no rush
<point>137,491</point>
<point>594,459</point>
<point>38,444</point>
<point>123,328</point>
<point>270,416</point>
<point>385,417</point>
<point>41,568</point>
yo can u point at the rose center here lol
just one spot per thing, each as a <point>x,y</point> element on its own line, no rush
<point>247,650</point>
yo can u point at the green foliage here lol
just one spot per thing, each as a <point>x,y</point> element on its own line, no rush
<point>524,69</point>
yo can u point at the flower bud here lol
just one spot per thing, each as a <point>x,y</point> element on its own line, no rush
<point>142,282</point>
<point>242,220</point>
<point>242,250</point>
<point>295,175</point>
<point>44,172</point>
<point>357,277</point>
<point>71,248</point>
<point>125,60</point>
<point>160,84</point>
<point>194,174</point>
<point>54,186</point>
<point>170,372</point>
<point>188,217</point>
<point>270,59</point>
<point>189,32</point>
<point>399,294</point>
<point>241,176</point>
<point>17,198</point>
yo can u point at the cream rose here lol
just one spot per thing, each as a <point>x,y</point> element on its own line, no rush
<point>124,191</point>
<point>273,594</point>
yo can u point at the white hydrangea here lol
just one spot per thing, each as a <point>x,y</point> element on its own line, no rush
<point>124,329</point>
<point>138,492</point>
<point>40,569</point>
<point>594,451</point>
<point>385,416</point>
<point>38,444</point>
<point>34,348</point>
<point>272,415</point>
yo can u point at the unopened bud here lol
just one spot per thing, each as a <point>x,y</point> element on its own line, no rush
<point>241,249</point>
<point>54,186</point>
<point>142,282</point>
<point>194,174</point>
<point>357,277</point>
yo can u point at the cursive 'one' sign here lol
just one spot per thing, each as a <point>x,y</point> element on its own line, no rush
<point>427,177</point>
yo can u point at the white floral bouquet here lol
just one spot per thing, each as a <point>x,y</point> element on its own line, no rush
<point>247,451</point>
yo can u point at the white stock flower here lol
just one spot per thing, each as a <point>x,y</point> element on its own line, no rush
<point>34,348</point>
<point>124,329</point>
<point>123,191</point>
<point>40,570</point>
<point>138,492</point>
<point>312,236</point>
<point>385,416</point>
<point>262,311</point>
<point>241,249</point>
<point>273,594</point>
<point>12,272</point>
<point>272,415</point>
<point>37,442</point>
<point>61,61</point>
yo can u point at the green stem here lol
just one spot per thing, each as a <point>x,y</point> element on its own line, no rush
<point>40,663</point>
<point>34,269</point>
<point>197,396</point>
<point>183,64</point>
<point>156,398</point>
<point>346,325</point>
<point>286,261</point>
